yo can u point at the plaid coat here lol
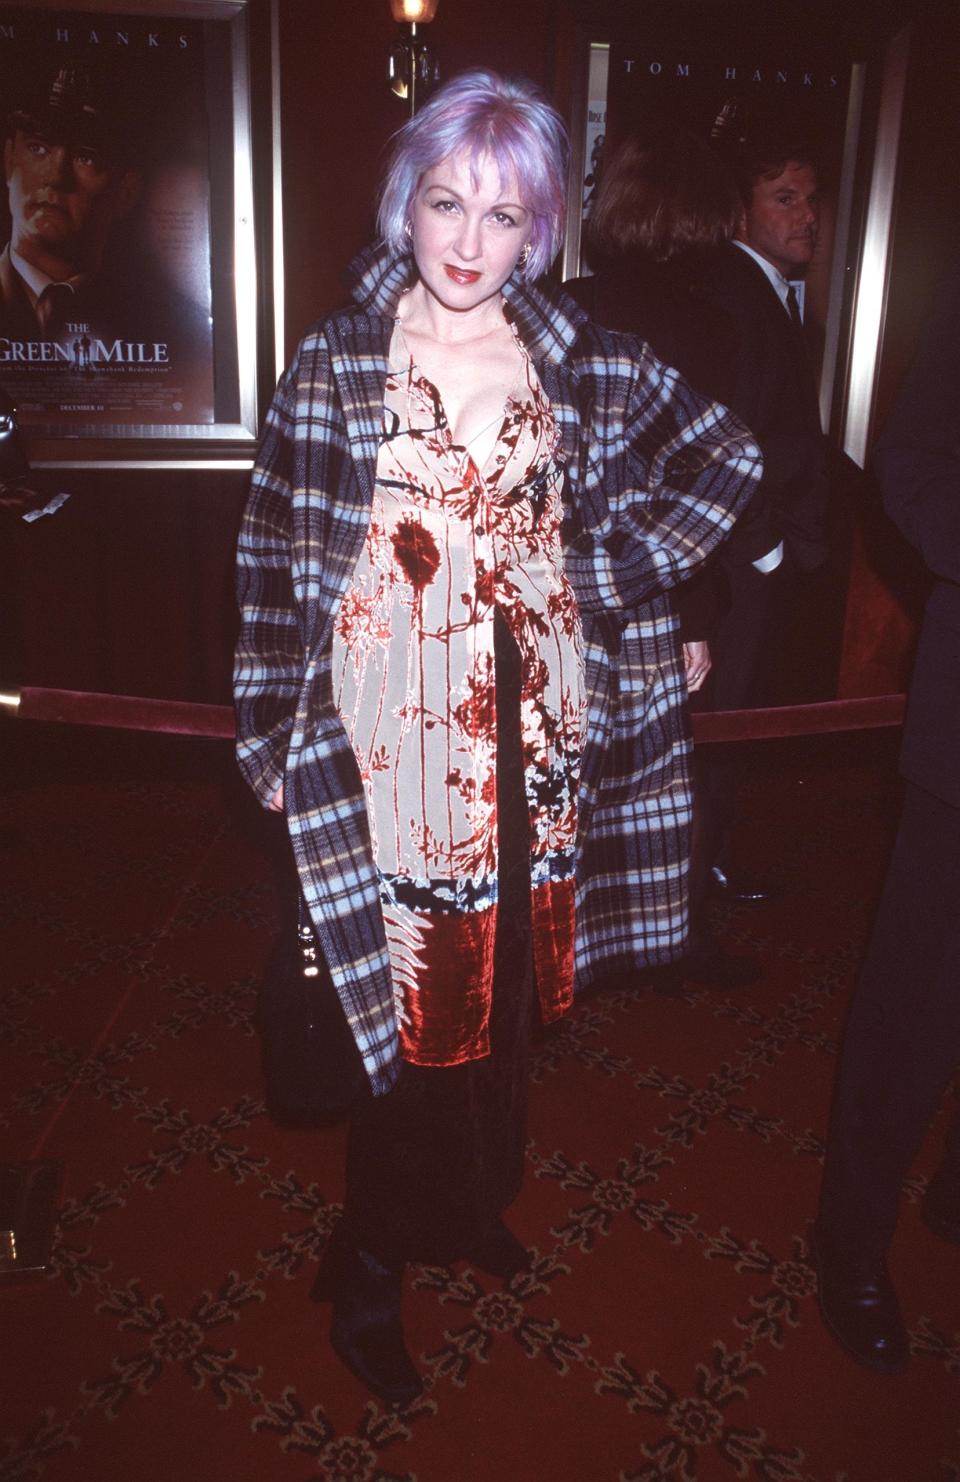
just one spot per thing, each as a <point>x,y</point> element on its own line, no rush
<point>654,477</point>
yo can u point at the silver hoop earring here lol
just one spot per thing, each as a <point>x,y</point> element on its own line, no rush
<point>524,257</point>
<point>409,230</point>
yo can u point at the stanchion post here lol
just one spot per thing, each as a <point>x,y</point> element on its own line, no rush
<point>29,1198</point>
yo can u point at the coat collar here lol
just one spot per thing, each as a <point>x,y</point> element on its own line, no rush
<point>547,319</point>
<point>377,278</point>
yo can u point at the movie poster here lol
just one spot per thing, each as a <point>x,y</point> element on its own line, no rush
<point>105,271</point>
<point>728,78</point>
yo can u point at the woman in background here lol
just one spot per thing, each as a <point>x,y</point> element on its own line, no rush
<point>663,206</point>
<point>464,493</point>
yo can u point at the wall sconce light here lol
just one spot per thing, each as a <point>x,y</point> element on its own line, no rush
<point>410,65</point>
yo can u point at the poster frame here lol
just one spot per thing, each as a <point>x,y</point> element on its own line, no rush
<point>863,227</point>
<point>246,249</point>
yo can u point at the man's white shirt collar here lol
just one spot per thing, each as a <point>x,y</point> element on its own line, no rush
<point>775,278</point>
<point>35,280</point>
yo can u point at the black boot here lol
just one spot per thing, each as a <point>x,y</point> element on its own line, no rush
<point>499,1252</point>
<point>366,1333</point>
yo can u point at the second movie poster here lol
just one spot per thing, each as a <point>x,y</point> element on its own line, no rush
<point>105,271</point>
<point>733,78</point>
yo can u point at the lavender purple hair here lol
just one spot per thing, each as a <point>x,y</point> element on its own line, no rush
<point>480,114</point>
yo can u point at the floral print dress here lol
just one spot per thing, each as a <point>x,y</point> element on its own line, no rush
<point>449,545</point>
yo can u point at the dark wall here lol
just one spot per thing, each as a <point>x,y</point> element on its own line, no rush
<point>339,114</point>
<point>127,588</point>
<point>927,224</point>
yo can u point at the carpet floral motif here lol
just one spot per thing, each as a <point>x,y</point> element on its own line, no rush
<point>666,1329</point>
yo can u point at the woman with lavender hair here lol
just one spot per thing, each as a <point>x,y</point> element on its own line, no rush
<point>459,679</point>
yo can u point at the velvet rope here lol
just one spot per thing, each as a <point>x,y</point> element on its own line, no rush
<point>127,713</point>
<point>216,722</point>
<point>799,720</point>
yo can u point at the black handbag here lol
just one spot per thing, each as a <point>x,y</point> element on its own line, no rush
<point>312,1068</point>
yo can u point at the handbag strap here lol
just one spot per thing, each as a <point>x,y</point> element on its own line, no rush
<point>307,941</point>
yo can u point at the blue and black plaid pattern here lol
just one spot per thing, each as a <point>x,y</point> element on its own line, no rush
<point>654,478</point>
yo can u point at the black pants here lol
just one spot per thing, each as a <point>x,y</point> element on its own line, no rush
<point>431,1165</point>
<point>745,648</point>
<point>902,1042</point>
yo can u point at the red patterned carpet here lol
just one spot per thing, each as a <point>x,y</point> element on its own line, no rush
<point>668,1329</point>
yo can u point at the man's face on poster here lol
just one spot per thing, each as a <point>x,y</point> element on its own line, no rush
<point>783,218</point>
<point>64,198</point>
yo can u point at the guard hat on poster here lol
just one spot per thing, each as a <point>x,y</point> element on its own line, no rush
<point>79,105</point>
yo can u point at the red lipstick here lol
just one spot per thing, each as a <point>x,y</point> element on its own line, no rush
<point>462,276</point>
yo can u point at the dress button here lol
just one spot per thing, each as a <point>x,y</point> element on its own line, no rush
<point>478,529</point>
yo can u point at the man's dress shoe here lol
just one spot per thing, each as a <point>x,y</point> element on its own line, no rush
<point>743,889</point>
<point>859,1306</point>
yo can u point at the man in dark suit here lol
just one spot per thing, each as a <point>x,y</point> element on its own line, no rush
<point>78,282</point>
<point>902,1043</point>
<point>781,535</point>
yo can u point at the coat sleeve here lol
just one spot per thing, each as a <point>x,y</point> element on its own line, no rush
<point>662,488</point>
<point>268,666</point>
<point>917,457</point>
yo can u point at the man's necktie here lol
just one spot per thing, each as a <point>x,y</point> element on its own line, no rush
<point>54,307</point>
<point>796,324</point>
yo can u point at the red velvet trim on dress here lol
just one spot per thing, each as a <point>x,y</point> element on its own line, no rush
<point>446,1012</point>
<point>552,914</point>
